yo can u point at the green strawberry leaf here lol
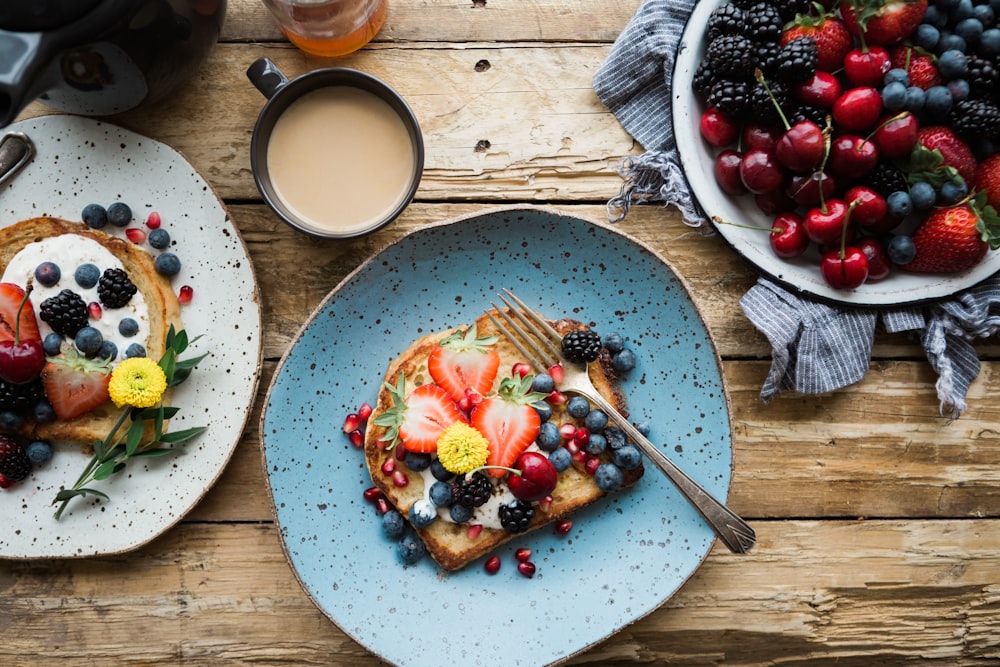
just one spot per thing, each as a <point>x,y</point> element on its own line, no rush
<point>928,165</point>
<point>988,223</point>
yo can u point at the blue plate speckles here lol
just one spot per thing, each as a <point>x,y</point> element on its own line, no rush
<point>625,555</point>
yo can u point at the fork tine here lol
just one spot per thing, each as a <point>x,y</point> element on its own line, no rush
<point>537,324</point>
<point>536,355</point>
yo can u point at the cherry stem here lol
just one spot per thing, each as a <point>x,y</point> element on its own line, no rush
<point>720,221</point>
<point>17,325</point>
<point>901,115</point>
<point>843,230</point>
<point>513,471</point>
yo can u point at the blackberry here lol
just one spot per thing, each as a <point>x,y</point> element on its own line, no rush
<point>730,97</point>
<point>703,79</point>
<point>789,9</point>
<point>724,20</point>
<point>808,112</point>
<point>886,178</point>
<point>581,346</point>
<point>798,60</point>
<point>975,120</point>
<point>516,516</point>
<point>474,491</point>
<point>763,23</point>
<point>983,76</point>
<point>65,312</point>
<point>731,57</point>
<point>114,289</point>
<point>14,462</point>
<point>767,57</point>
<point>19,398</point>
<point>760,103</point>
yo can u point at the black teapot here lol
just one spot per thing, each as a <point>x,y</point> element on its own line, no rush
<point>100,57</point>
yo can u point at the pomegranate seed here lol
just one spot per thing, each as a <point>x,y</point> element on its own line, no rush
<point>400,452</point>
<point>527,568</point>
<point>563,527</point>
<point>567,431</point>
<point>473,531</point>
<point>592,464</point>
<point>545,503</point>
<point>94,310</point>
<point>399,479</point>
<point>464,404</point>
<point>492,565</point>
<point>580,456</point>
<point>573,447</point>
<point>475,398</point>
<point>388,466</point>
<point>522,554</point>
<point>557,373</point>
<point>382,506</point>
<point>582,436</point>
<point>383,443</point>
<point>372,494</point>
<point>135,235</point>
<point>356,438</point>
<point>352,423</point>
<point>556,398</point>
<point>364,412</point>
<point>185,294</point>
<point>153,221</point>
<point>521,369</point>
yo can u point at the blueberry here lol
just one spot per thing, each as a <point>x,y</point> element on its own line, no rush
<point>614,342</point>
<point>938,102</point>
<point>460,513</point>
<point>52,345</point>
<point>623,362</point>
<point>595,421</point>
<point>43,412</point>
<point>963,10</point>
<point>440,494</point>
<point>422,513</point>
<point>985,15</point>
<point>627,457</point>
<point>970,29</point>
<point>39,452</point>
<point>952,192</point>
<point>11,421</point>
<point>168,264</point>
<point>135,350</point>
<point>897,75</point>
<point>417,461</point>
<point>642,427</point>
<point>915,98</point>
<point>901,250</point>
<point>158,238</point>
<point>543,383</point>
<point>615,437</point>
<point>95,216</point>
<point>560,459</point>
<point>543,409</point>
<point>935,17</point>
<point>108,351</point>
<point>609,477</point>
<point>88,340</point>
<point>894,96</point>
<point>439,472</point>
<point>926,36</point>
<point>959,89</point>
<point>393,525</point>
<point>596,444</point>
<point>119,214</point>
<point>899,204</point>
<point>950,41</point>
<point>411,549</point>
<point>548,437</point>
<point>578,407</point>
<point>128,327</point>
<point>989,43</point>
<point>87,275</point>
<point>48,273</point>
<point>953,64</point>
<point>922,195</point>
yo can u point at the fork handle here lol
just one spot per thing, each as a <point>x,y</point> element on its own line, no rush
<point>734,532</point>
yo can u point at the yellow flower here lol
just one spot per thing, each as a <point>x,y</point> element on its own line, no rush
<point>138,382</point>
<point>461,448</point>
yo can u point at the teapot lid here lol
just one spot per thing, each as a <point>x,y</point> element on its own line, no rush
<point>42,15</point>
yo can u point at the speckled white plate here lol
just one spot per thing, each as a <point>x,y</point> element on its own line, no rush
<point>80,161</point>
<point>801,274</point>
<point>625,556</point>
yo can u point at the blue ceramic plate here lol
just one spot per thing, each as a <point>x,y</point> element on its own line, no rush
<point>625,556</point>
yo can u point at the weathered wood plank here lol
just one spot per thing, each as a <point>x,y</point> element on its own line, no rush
<point>916,592</point>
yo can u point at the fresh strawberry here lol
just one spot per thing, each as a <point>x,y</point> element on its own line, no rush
<point>955,152</point>
<point>419,418</point>
<point>74,384</point>
<point>988,179</point>
<point>829,34</point>
<point>11,296</point>
<point>956,238</point>
<point>508,421</point>
<point>883,22</point>
<point>920,66</point>
<point>463,361</point>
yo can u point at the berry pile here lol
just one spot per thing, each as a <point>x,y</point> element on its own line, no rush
<point>868,129</point>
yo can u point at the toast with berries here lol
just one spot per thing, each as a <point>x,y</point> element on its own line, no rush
<point>124,285</point>
<point>474,450</point>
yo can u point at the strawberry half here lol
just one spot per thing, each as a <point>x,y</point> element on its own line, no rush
<point>463,361</point>
<point>11,296</point>
<point>955,238</point>
<point>418,419</point>
<point>508,422</point>
<point>75,385</point>
<point>882,22</point>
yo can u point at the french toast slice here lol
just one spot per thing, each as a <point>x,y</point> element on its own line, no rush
<point>163,310</point>
<point>453,545</point>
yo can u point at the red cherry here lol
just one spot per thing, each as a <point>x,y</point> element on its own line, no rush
<point>878,259</point>
<point>21,359</point>
<point>535,478</point>
<point>844,269</point>
<point>867,67</point>
<point>760,136</point>
<point>788,236</point>
<point>811,189</point>
<point>825,225</point>
<point>822,90</point>
<point>851,156</point>
<point>760,171</point>
<point>896,136</point>
<point>802,147</point>
<point>717,128</point>
<point>772,203</point>
<point>870,208</point>
<point>857,109</point>
<point>727,172</point>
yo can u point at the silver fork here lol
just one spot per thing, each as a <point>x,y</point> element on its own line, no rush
<point>539,342</point>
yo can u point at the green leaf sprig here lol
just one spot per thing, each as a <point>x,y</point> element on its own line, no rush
<point>124,444</point>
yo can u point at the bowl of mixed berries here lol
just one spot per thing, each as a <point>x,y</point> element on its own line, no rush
<point>850,149</point>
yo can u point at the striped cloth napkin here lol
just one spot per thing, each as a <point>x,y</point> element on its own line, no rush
<point>816,348</point>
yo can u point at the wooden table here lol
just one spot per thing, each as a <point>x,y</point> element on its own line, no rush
<point>878,520</point>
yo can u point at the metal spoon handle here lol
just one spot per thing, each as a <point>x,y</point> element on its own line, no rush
<point>16,150</point>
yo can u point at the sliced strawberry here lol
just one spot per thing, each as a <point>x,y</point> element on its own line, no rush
<point>75,385</point>
<point>11,296</point>
<point>419,419</point>
<point>508,422</point>
<point>464,361</point>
